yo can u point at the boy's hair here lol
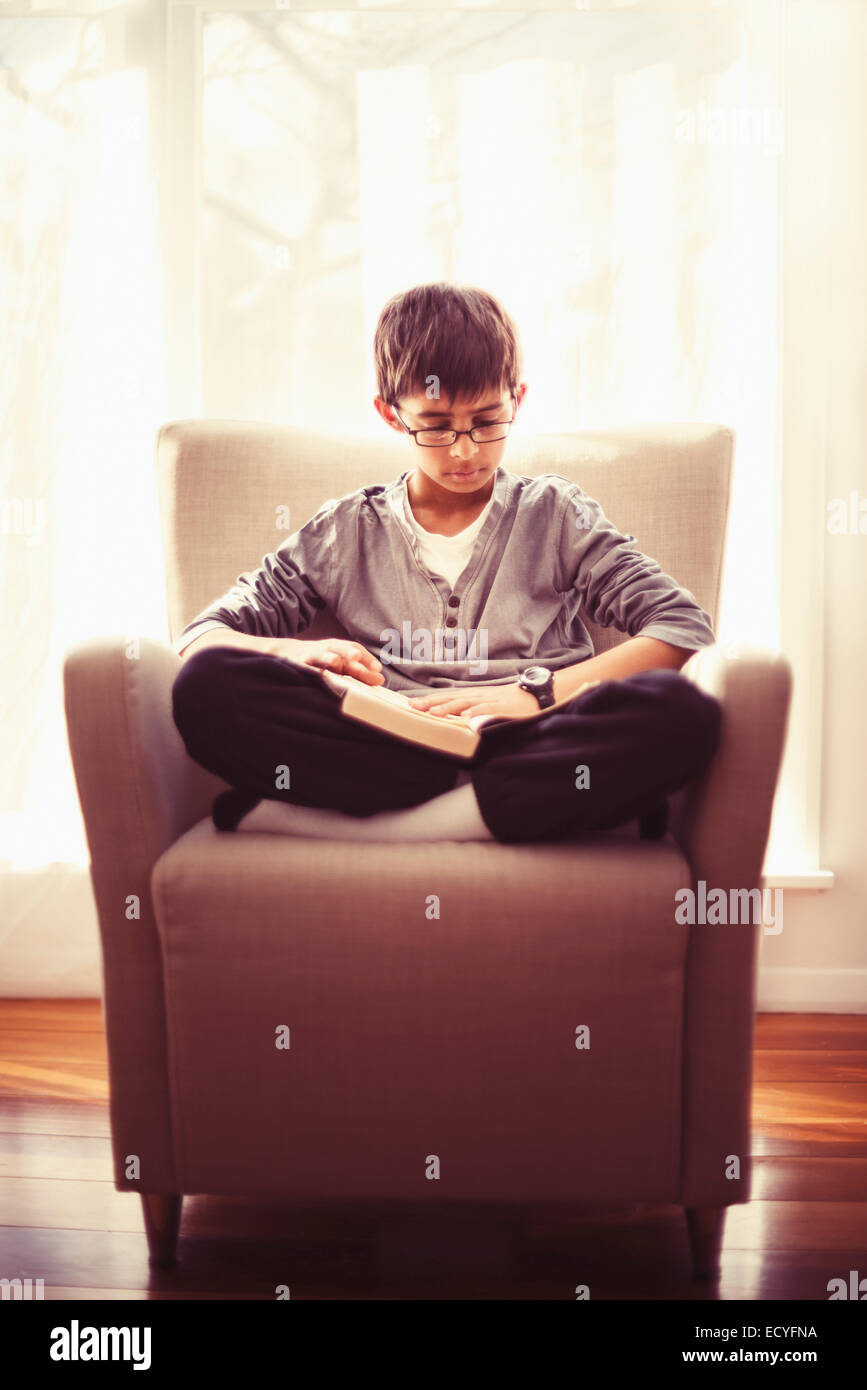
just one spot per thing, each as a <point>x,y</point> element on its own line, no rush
<point>458,335</point>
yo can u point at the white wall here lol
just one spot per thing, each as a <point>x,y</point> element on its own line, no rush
<point>819,960</point>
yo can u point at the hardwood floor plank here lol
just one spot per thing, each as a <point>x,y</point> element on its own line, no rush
<point>53,1015</point>
<point>801,1142</point>
<point>751,1276</point>
<point>785,1225</point>
<point>59,1293</point>
<point>111,1259</point>
<point>79,1082</point>
<point>828,1032</point>
<point>63,1156</point>
<point>802,1136</point>
<point>813,1103</point>
<point>811,1065</point>
<point>786,1179</point>
<point>50,1046</point>
<point>78,1206</point>
<point>53,1115</point>
<point>781,1276</point>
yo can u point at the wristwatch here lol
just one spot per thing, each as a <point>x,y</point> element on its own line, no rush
<point>540,682</point>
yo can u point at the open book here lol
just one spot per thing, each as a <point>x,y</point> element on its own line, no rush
<point>392,712</point>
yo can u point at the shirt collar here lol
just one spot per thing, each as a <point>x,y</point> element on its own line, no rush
<point>399,498</point>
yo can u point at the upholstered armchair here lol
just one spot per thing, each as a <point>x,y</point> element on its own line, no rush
<point>410,1036</point>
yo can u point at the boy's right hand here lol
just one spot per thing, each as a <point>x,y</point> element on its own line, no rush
<point>336,654</point>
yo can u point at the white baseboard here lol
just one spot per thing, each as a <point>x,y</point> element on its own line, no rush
<point>806,989</point>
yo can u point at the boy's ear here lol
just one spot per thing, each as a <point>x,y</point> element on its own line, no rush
<point>385,411</point>
<point>520,393</point>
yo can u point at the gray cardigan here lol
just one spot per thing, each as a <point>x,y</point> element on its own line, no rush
<point>545,550</point>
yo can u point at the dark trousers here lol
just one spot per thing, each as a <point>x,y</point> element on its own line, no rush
<point>271,729</point>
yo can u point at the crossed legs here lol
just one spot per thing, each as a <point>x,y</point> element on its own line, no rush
<point>614,753</point>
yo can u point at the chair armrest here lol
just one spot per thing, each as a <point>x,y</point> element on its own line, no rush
<point>139,791</point>
<point>139,788</point>
<point>721,822</point>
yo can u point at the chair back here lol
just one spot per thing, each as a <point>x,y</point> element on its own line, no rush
<point>230,491</point>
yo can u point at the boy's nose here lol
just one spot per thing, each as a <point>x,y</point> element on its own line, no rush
<point>464,448</point>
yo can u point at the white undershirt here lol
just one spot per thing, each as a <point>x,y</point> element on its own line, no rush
<point>448,555</point>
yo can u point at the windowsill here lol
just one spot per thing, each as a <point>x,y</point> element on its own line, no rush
<point>808,881</point>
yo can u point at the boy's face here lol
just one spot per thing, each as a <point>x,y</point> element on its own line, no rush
<point>463,466</point>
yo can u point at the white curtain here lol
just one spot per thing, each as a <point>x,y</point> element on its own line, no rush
<point>611,173</point>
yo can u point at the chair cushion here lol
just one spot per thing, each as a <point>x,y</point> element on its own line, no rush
<point>431,994</point>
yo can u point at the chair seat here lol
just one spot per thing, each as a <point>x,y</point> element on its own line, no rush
<point>431,994</point>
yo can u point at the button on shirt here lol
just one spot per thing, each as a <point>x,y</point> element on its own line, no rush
<point>541,553</point>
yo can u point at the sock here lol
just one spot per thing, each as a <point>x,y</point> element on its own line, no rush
<point>653,824</point>
<point>454,815</point>
<point>229,806</point>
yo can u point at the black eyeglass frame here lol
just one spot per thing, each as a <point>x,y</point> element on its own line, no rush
<point>456,434</point>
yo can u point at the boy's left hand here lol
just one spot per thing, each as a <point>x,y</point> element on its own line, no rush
<point>506,701</point>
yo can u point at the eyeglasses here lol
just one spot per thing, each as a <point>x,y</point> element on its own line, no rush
<point>487,433</point>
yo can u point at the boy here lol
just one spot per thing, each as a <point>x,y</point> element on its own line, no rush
<point>456,570</point>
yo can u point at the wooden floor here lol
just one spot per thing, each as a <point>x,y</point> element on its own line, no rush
<point>62,1220</point>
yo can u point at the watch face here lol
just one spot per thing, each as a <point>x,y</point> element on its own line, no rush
<point>535,675</point>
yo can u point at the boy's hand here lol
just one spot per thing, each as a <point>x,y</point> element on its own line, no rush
<point>336,654</point>
<point>506,701</point>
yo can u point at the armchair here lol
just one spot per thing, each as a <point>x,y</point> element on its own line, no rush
<point>411,1037</point>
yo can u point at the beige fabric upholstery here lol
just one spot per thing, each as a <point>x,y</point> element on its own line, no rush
<point>471,1016</point>
<point>412,1034</point>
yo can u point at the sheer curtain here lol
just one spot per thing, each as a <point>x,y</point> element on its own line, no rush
<point>82,387</point>
<point>611,174</point>
<point>237,193</point>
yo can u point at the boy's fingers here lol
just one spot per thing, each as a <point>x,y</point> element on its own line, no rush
<point>348,659</point>
<point>329,660</point>
<point>447,707</point>
<point>437,701</point>
<point>364,673</point>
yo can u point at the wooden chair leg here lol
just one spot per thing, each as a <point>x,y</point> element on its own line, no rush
<point>162,1215</point>
<point>705,1227</point>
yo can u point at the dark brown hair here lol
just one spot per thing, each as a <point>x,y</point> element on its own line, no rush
<point>458,334</point>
